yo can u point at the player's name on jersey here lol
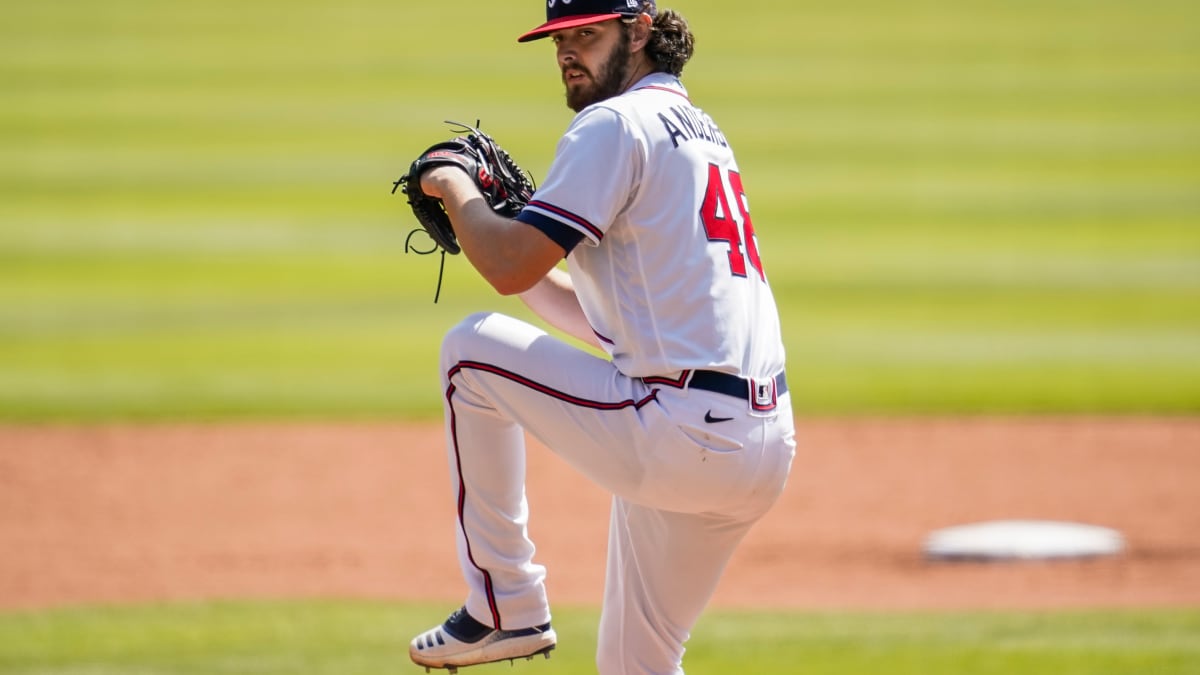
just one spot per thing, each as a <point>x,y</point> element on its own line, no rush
<point>691,125</point>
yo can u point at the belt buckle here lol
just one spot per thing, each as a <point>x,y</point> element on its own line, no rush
<point>763,395</point>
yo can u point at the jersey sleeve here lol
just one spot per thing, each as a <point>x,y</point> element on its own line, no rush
<point>596,166</point>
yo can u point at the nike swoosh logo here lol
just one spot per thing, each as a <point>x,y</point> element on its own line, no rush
<point>708,417</point>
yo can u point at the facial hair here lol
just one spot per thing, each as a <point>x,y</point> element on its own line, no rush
<point>613,78</point>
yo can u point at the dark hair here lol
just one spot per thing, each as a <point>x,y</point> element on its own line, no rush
<point>671,42</point>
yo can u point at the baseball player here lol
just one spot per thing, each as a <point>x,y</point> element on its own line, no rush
<point>686,422</point>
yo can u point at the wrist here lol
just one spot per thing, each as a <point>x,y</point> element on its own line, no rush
<point>436,181</point>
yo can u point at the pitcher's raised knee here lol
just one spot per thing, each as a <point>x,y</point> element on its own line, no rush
<point>456,344</point>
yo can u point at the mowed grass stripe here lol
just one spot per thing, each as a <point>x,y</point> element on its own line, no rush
<point>349,638</point>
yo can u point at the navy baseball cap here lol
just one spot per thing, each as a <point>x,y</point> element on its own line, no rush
<point>562,14</point>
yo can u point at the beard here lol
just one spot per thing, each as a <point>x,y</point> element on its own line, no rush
<point>613,76</point>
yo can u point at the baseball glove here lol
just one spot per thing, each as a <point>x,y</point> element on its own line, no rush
<point>505,186</point>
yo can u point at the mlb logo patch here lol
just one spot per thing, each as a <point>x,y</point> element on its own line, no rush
<point>763,395</point>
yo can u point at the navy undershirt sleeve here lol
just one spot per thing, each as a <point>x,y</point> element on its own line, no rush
<point>564,235</point>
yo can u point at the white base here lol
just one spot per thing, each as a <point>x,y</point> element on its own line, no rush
<point>1022,540</point>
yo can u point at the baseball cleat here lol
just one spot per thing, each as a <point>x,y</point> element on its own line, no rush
<point>463,641</point>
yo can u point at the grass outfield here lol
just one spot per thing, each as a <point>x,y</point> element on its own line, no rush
<point>965,207</point>
<point>353,638</point>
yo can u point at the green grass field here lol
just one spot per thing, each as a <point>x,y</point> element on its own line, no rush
<point>965,207</point>
<point>359,638</point>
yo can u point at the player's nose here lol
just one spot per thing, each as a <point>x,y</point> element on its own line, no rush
<point>566,53</point>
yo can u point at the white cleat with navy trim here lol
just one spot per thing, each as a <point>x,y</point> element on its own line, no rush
<point>463,641</point>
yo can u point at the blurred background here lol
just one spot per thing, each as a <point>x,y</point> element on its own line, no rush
<point>963,207</point>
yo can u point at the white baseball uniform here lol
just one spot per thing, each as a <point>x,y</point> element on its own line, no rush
<point>687,422</point>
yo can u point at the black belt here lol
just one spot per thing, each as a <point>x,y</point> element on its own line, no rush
<point>732,385</point>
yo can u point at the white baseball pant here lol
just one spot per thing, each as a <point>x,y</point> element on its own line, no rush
<point>685,491</point>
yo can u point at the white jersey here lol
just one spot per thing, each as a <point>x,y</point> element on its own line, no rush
<point>668,271</point>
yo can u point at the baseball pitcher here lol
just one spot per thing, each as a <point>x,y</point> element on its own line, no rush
<point>687,418</point>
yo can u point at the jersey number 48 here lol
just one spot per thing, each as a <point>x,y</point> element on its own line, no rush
<point>720,224</point>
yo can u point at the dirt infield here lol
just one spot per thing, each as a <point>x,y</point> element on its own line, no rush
<point>118,514</point>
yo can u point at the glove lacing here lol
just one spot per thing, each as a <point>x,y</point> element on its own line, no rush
<point>409,248</point>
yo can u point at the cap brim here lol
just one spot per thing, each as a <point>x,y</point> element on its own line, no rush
<point>563,23</point>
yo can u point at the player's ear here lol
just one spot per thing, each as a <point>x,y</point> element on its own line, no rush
<point>639,31</point>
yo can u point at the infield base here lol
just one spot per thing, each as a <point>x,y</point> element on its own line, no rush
<point>1022,540</point>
